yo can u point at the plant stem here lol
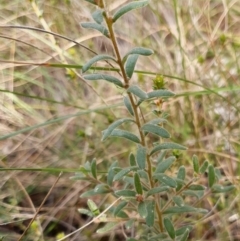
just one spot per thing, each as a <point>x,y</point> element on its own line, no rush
<point>135,110</point>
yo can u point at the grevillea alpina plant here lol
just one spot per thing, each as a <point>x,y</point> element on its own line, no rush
<point>150,198</point>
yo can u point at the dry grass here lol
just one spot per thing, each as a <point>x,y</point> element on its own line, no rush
<point>51,118</point>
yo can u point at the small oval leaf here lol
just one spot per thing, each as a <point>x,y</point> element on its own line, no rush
<point>91,1</point>
<point>125,134</point>
<point>196,187</point>
<point>108,131</point>
<point>166,146</point>
<point>142,210</point>
<point>132,160</point>
<point>184,209</point>
<point>138,92</point>
<point>126,193</point>
<point>182,230</point>
<point>93,61</point>
<point>165,179</point>
<point>157,190</point>
<point>211,175</point>
<point>123,173</point>
<point>128,7</point>
<point>106,77</point>
<point>155,129</point>
<point>97,27</point>
<point>195,164</point>
<point>178,201</point>
<point>137,184</point>
<point>129,223</point>
<point>160,94</point>
<point>164,165</point>
<point>222,189</point>
<point>127,103</point>
<point>93,207</point>
<point>119,207</point>
<point>141,156</point>
<point>130,64</point>
<point>109,226</point>
<point>111,173</point>
<point>180,176</point>
<point>94,168</point>
<point>150,214</point>
<point>204,167</point>
<point>169,227</point>
<point>140,51</point>
<point>98,16</point>
<point>185,235</point>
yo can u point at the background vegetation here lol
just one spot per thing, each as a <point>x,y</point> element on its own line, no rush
<point>51,118</point>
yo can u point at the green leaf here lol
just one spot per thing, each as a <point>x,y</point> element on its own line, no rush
<point>131,239</point>
<point>164,165</point>
<point>137,91</point>
<point>122,214</point>
<point>108,227</point>
<point>137,184</point>
<point>127,103</point>
<point>143,174</point>
<point>91,1</point>
<point>142,209</point>
<point>130,64</point>
<point>178,201</point>
<point>161,156</point>
<point>125,134</point>
<point>222,189</point>
<point>182,230</point>
<point>119,207</point>
<point>197,194</point>
<point>166,146</point>
<point>97,27</point>
<point>141,156</point>
<point>211,175</point>
<point>79,176</point>
<point>184,209</point>
<point>126,193</point>
<point>185,235</point>
<point>129,223</point>
<point>111,173</point>
<point>181,173</point>
<point>140,51</point>
<point>94,168</point>
<point>106,77</point>
<point>128,7</point>
<point>158,237</point>
<point>181,176</point>
<point>108,131</point>
<point>196,187</point>
<point>204,167</point>
<point>99,189</point>
<point>195,163</point>
<point>92,61</point>
<point>124,172</point>
<point>93,207</point>
<point>98,16</point>
<point>132,160</point>
<point>169,227</point>
<point>160,94</point>
<point>86,212</point>
<point>150,214</point>
<point>155,129</point>
<point>165,179</point>
<point>157,121</point>
<point>157,190</point>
